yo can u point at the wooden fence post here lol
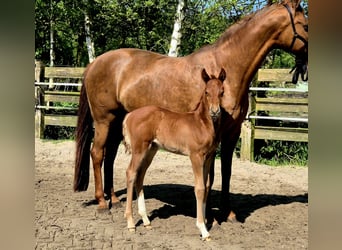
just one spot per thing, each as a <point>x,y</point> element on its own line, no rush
<point>39,114</point>
<point>38,71</point>
<point>38,95</point>
<point>247,141</point>
<point>247,133</point>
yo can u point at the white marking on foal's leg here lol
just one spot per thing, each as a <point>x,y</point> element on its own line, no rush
<point>142,210</point>
<point>202,227</point>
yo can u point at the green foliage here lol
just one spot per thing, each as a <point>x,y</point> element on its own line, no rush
<point>59,132</point>
<point>282,153</point>
<point>145,24</point>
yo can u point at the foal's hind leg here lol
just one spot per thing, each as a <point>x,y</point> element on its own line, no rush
<point>146,162</point>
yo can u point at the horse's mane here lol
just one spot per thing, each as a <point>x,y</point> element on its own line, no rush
<point>245,20</point>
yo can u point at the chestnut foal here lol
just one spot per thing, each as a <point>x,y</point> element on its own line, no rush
<point>149,128</point>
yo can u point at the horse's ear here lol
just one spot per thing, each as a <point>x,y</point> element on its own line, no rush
<point>269,2</point>
<point>296,3</point>
<point>293,3</point>
<point>222,75</point>
<point>205,76</point>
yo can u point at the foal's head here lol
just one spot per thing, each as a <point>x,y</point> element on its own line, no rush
<point>214,92</point>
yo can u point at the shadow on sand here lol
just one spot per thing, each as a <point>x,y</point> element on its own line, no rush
<point>180,200</point>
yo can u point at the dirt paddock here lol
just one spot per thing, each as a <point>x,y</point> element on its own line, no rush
<point>271,203</point>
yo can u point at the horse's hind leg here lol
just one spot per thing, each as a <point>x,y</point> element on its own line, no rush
<point>113,141</point>
<point>97,153</point>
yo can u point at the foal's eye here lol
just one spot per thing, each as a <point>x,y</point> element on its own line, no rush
<point>221,95</point>
<point>306,27</point>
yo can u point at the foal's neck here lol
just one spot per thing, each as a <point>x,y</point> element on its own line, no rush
<point>202,111</point>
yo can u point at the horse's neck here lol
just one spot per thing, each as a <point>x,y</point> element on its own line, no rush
<point>240,50</point>
<point>243,47</point>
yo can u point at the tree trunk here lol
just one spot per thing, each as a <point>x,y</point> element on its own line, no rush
<point>52,42</point>
<point>176,34</point>
<point>90,44</point>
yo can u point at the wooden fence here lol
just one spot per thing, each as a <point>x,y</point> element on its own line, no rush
<point>282,103</point>
<point>50,95</point>
<point>293,108</point>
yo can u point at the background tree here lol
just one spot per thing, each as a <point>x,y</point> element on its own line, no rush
<point>177,34</point>
<point>145,24</point>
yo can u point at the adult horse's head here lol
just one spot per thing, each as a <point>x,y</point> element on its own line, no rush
<point>294,36</point>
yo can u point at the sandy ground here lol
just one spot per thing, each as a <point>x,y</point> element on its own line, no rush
<point>271,202</point>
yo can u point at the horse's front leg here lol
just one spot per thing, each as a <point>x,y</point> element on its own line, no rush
<point>210,165</point>
<point>200,193</point>
<point>113,141</point>
<point>227,150</point>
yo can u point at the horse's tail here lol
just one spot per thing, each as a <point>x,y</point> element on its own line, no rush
<point>126,136</point>
<point>84,135</point>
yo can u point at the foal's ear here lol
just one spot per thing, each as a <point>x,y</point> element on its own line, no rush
<point>222,75</point>
<point>205,76</point>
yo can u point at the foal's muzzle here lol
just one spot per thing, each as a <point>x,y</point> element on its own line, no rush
<point>215,114</point>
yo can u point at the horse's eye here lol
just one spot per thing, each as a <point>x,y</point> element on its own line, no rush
<point>222,94</point>
<point>306,27</point>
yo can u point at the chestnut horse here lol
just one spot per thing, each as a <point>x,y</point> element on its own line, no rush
<point>193,133</point>
<point>122,80</point>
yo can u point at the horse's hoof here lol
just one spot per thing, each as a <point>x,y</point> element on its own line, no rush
<point>116,204</point>
<point>102,206</point>
<point>103,210</point>
<point>148,226</point>
<point>114,200</point>
<point>131,229</point>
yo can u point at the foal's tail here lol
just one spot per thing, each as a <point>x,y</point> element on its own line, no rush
<point>126,136</point>
<point>84,135</point>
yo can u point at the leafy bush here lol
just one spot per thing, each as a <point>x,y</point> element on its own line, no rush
<point>59,132</point>
<point>281,152</point>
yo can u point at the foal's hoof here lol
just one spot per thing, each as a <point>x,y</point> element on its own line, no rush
<point>131,229</point>
<point>148,226</point>
<point>208,238</point>
<point>232,217</point>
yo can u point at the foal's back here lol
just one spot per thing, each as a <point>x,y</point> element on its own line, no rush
<point>174,132</point>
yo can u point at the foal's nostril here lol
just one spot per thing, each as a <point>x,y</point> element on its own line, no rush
<point>215,112</point>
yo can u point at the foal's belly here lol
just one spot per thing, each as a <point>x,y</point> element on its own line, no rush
<point>172,148</point>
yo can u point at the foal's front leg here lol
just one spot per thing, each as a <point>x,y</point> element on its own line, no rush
<point>197,161</point>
